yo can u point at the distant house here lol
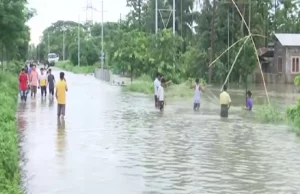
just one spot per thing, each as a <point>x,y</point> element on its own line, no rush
<point>280,62</point>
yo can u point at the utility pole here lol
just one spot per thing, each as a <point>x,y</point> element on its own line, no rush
<point>174,16</point>
<point>48,43</point>
<point>78,40</point>
<point>156,17</point>
<point>102,50</point>
<point>212,42</point>
<point>64,42</point>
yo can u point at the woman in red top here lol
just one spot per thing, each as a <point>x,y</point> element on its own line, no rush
<point>23,85</point>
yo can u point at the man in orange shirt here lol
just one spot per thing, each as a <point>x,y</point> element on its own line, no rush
<point>61,91</point>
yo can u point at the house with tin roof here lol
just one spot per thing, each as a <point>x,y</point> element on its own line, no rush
<point>280,61</point>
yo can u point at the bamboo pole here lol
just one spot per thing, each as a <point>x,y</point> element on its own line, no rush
<point>235,59</point>
<point>251,37</point>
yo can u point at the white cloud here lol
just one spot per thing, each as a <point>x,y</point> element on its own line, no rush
<point>49,11</point>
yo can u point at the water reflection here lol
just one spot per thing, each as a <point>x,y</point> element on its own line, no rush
<point>61,138</point>
<point>33,104</point>
<point>43,102</point>
<point>21,120</point>
<point>51,102</point>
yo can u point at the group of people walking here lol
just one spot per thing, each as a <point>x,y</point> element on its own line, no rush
<point>225,100</point>
<point>30,81</point>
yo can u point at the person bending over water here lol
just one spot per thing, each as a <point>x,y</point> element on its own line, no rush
<point>198,89</point>
<point>225,102</point>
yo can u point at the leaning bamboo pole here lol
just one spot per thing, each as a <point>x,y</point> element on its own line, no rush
<point>256,54</point>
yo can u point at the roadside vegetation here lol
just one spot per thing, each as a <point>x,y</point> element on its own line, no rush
<point>68,66</point>
<point>14,39</point>
<point>9,161</point>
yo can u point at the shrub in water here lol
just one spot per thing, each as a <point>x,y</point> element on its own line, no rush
<point>293,115</point>
<point>269,114</point>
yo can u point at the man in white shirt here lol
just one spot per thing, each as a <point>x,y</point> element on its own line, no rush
<point>161,94</point>
<point>156,86</point>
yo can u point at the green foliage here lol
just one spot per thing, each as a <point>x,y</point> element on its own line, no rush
<point>9,161</point>
<point>293,115</point>
<point>297,80</point>
<point>14,34</point>
<point>68,66</point>
<point>269,114</point>
<point>143,84</point>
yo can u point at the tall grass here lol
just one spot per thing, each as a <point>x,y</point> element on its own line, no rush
<point>269,114</point>
<point>145,84</point>
<point>293,115</point>
<point>68,66</point>
<point>10,178</point>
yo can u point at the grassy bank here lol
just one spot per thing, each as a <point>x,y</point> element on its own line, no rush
<point>68,66</point>
<point>10,178</point>
<point>144,84</point>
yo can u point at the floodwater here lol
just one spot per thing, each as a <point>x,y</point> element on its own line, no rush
<point>112,142</point>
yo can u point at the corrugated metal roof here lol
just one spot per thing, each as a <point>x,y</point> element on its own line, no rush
<point>288,39</point>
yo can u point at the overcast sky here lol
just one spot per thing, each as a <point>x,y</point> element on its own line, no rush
<point>49,11</point>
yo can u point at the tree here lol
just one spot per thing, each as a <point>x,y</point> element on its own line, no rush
<point>132,46</point>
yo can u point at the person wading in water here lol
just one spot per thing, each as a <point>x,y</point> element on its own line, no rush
<point>156,86</point>
<point>34,79</point>
<point>43,83</point>
<point>61,92</point>
<point>225,102</point>
<point>198,89</point>
<point>51,82</point>
<point>23,78</point>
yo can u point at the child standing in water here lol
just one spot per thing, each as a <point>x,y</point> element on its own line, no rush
<point>161,94</point>
<point>198,89</point>
<point>249,105</point>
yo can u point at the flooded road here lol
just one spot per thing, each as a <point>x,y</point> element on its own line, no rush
<point>113,142</point>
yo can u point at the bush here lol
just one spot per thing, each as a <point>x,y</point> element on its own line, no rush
<point>297,80</point>
<point>13,67</point>
<point>68,66</point>
<point>143,84</point>
<point>269,114</point>
<point>10,178</point>
<point>293,115</point>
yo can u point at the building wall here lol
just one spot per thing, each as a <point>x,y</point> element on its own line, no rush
<point>279,51</point>
<point>291,52</point>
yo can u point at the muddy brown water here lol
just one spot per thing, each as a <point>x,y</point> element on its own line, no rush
<point>113,142</point>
